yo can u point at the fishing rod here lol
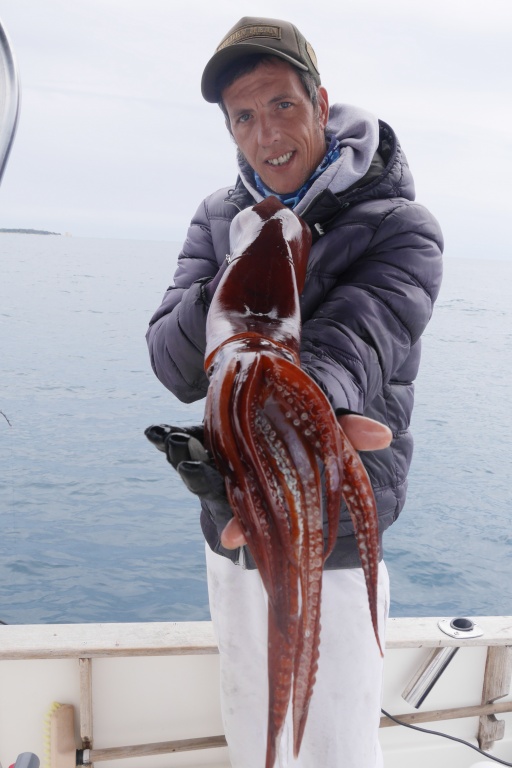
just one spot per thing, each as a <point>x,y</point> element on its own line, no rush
<point>9,98</point>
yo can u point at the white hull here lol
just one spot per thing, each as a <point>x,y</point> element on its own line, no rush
<point>139,684</point>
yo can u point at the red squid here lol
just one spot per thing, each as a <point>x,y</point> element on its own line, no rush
<point>273,433</point>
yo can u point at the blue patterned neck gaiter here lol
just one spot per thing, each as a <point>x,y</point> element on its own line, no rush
<point>291,199</point>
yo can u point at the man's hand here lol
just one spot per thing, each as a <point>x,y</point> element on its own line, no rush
<point>364,434</point>
<point>184,448</point>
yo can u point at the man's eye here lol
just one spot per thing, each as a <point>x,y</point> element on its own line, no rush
<point>285,104</point>
<point>243,118</point>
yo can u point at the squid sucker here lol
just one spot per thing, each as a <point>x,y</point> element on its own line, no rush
<point>273,433</point>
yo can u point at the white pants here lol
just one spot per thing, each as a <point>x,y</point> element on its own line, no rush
<point>343,720</point>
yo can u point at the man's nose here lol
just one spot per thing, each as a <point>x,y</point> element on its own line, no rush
<point>268,131</point>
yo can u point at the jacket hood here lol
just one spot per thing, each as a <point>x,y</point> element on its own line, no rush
<point>357,132</point>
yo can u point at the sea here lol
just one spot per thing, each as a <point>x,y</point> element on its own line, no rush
<point>95,526</point>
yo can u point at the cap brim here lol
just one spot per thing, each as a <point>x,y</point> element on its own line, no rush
<point>221,60</point>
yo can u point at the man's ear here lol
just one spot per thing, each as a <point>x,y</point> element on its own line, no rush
<point>228,125</point>
<point>323,106</point>
<point>227,121</point>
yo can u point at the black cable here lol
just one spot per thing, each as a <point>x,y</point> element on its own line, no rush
<point>445,736</point>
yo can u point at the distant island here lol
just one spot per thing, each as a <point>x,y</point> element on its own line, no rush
<point>29,232</point>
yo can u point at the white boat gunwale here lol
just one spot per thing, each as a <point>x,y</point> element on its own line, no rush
<point>45,641</point>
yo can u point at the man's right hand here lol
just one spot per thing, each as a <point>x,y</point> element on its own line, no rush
<point>184,448</point>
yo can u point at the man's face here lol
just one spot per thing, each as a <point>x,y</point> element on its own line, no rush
<point>275,125</point>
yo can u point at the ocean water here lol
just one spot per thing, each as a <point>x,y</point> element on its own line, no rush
<point>95,525</point>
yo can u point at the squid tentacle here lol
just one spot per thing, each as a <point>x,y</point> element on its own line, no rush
<point>360,501</point>
<point>242,489</point>
<point>277,476</point>
<point>316,414</point>
<point>260,452</point>
<point>280,671</point>
<point>306,455</point>
<point>271,415</point>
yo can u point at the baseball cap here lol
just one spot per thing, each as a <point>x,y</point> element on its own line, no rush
<point>253,34</point>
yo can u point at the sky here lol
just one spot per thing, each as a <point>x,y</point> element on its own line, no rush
<point>115,140</point>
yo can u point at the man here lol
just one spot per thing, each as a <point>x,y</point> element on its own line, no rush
<point>374,272</point>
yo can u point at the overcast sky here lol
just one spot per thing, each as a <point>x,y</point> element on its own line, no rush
<point>115,140</point>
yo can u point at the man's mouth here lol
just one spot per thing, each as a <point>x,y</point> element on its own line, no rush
<point>281,160</point>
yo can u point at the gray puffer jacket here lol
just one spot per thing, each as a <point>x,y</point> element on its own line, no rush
<point>374,273</point>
